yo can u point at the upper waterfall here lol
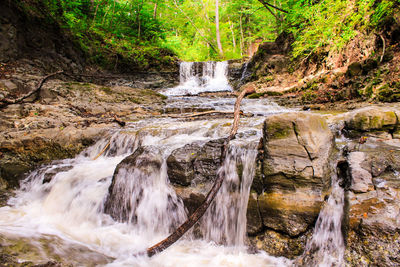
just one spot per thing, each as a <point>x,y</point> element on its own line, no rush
<point>199,77</point>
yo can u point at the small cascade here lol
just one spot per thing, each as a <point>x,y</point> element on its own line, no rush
<point>225,220</point>
<point>245,74</point>
<point>140,194</point>
<point>199,77</point>
<point>326,247</point>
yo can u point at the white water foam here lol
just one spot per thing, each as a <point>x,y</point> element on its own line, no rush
<point>64,201</point>
<point>200,77</point>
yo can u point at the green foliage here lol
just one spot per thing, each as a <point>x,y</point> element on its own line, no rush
<point>191,30</point>
<point>112,32</point>
<point>145,32</point>
<point>330,24</point>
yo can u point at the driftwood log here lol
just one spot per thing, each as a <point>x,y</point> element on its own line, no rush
<point>5,102</point>
<point>181,230</point>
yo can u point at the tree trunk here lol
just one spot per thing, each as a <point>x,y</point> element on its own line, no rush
<point>155,10</point>
<point>241,36</point>
<point>221,52</point>
<point>233,35</point>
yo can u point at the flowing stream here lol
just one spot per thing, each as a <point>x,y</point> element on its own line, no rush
<point>59,208</point>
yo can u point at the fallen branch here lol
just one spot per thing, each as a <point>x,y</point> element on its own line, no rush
<point>205,113</point>
<point>120,122</point>
<point>5,102</point>
<point>178,233</point>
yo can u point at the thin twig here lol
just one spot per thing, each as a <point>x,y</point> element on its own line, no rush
<point>102,151</point>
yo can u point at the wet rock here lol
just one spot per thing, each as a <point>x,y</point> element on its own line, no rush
<point>181,164</point>
<point>296,170</point>
<point>192,197</point>
<point>371,119</point>
<point>195,162</point>
<point>23,153</point>
<point>144,162</point>
<point>279,244</point>
<point>208,160</point>
<point>361,178</point>
<point>49,175</point>
<point>255,223</point>
<point>374,215</point>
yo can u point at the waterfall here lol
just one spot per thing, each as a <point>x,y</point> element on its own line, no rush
<point>326,247</point>
<point>200,77</point>
<point>225,221</point>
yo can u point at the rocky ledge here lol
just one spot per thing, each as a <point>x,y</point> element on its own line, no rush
<point>68,117</point>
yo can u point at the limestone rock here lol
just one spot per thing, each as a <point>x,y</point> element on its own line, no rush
<point>208,160</point>
<point>181,164</point>
<point>145,161</point>
<point>195,162</point>
<point>296,170</point>
<point>374,216</point>
<point>371,119</point>
<point>361,178</point>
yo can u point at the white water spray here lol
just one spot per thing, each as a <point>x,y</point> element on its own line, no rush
<point>326,247</point>
<point>199,77</point>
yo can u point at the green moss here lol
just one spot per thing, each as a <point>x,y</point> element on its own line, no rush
<point>278,130</point>
<point>273,93</point>
<point>308,96</point>
<point>389,93</point>
<point>256,95</point>
<point>135,100</point>
<point>106,90</point>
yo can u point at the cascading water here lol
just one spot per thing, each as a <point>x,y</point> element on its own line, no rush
<point>199,77</point>
<point>225,221</point>
<point>64,202</point>
<point>326,247</point>
<point>68,203</point>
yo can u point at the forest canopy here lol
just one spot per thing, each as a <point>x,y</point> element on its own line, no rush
<point>198,30</point>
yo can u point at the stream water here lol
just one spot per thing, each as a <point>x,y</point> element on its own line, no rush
<point>59,207</point>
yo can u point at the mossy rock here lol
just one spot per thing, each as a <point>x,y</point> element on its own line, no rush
<point>389,93</point>
<point>371,119</point>
<point>354,69</point>
<point>277,130</point>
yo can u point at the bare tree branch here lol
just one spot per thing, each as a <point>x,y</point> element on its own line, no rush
<point>5,102</point>
<point>265,3</point>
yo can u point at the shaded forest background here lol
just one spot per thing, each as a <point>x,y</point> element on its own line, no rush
<point>157,31</point>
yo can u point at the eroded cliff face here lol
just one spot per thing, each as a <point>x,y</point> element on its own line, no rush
<point>31,36</point>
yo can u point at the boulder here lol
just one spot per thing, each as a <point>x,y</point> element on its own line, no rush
<point>361,179</point>
<point>144,162</point>
<point>296,171</point>
<point>372,119</point>
<point>195,162</point>
<point>181,164</point>
<point>208,160</point>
